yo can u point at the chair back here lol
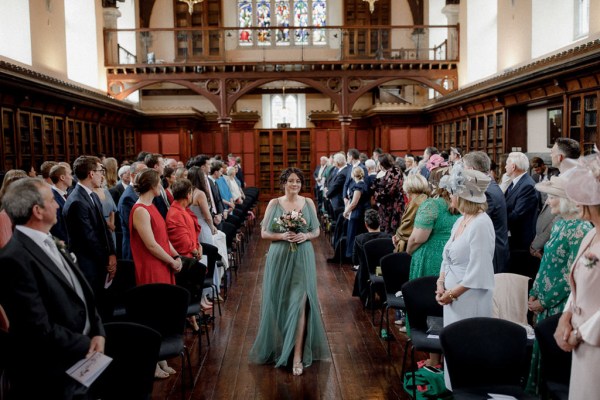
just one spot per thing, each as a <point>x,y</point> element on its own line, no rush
<point>375,249</point>
<point>134,349</point>
<point>484,352</point>
<point>123,281</point>
<point>419,298</point>
<point>160,306</point>
<point>395,269</point>
<point>556,364</point>
<point>510,297</point>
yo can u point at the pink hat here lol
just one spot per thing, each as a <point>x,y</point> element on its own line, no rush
<point>436,161</point>
<point>583,182</point>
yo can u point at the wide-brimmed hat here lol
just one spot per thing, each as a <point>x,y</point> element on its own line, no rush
<point>555,186</point>
<point>467,184</point>
<point>582,183</point>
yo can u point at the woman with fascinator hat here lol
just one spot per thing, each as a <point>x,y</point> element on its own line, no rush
<point>579,327</point>
<point>467,270</point>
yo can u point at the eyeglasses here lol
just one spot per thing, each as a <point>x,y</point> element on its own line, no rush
<point>102,171</point>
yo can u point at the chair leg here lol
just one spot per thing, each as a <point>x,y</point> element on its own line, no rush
<point>414,370</point>
<point>216,299</point>
<point>189,364</point>
<point>182,355</point>
<point>387,319</point>
<point>408,343</point>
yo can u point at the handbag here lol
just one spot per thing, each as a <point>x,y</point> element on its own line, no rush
<point>429,384</point>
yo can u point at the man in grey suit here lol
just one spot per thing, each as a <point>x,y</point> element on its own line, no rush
<point>479,161</point>
<point>53,318</point>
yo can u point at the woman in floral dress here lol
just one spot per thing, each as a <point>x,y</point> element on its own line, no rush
<point>388,195</point>
<point>551,287</point>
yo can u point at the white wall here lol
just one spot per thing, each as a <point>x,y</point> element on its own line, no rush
<point>15,31</point>
<point>82,42</point>
<point>48,38</point>
<point>514,33</point>
<point>479,45</point>
<point>552,25</point>
<point>537,130</point>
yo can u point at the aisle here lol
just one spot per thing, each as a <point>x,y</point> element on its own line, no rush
<point>359,369</point>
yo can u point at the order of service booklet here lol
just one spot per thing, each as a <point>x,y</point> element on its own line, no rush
<point>86,371</point>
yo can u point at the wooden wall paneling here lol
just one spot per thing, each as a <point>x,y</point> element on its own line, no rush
<point>150,142</point>
<point>516,129</point>
<point>419,139</point>
<point>169,144</point>
<point>247,154</point>
<point>398,140</point>
<point>363,140</point>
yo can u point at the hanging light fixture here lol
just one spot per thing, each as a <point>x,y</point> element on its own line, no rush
<point>191,3</point>
<point>371,5</point>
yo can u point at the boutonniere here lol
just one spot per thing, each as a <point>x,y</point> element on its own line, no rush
<point>62,247</point>
<point>590,260</point>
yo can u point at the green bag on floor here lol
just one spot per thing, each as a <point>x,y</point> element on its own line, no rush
<point>430,384</point>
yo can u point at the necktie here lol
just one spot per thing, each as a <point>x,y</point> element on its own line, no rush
<point>58,260</point>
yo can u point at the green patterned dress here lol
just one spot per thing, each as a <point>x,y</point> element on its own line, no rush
<point>551,285</point>
<point>432,214</point>
<point>290,283</point>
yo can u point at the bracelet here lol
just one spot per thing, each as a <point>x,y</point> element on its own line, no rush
<point>451,295</point>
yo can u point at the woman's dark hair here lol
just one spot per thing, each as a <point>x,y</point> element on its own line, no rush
<point>285,174</point>
<point>386,161</point>
<point>146,180</point>
<point>181,188</point>
<point>196,176</point>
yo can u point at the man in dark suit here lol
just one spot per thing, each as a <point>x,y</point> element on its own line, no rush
<point>53,318</point>
<point>124,207</point>
<point>335,191</point>
<point>124,180</point>
<point>522,210</point>
<point>361,281</point>
<point>89,237</point>
<point>540,172</point>
<point>240,173</point>
<point>156,162</point>
<point>61,177</point>
<point>478,160</point>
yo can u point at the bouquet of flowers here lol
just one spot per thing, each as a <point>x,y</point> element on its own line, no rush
<point>291,221</point>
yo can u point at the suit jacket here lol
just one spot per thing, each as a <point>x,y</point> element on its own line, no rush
<point>217,196</point>
<point>47,319</point>
<point>161,204</point>
<point>124,207</point>
<point>240,176</point>
<point>497,213</point>
<point>522,209</point>
<point>543,227</point>
<point>335,191</point>
<point>60,228</point>
<point>117,191</point>
<point>89,237</point>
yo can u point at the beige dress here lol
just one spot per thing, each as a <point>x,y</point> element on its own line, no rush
<point>584,303</point>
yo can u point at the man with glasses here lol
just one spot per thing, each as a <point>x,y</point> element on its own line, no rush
<point>89,237</point>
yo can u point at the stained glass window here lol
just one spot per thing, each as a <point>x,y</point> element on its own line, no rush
<point>245,21</point>
<point>268,14</point>
<point>284,111</point>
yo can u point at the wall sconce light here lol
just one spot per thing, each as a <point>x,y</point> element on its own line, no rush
<point>191,133</point>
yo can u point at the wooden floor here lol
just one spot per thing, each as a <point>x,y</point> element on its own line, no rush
<point>359,367</point>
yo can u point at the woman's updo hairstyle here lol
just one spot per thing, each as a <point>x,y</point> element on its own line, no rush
<point>146,180</point>
<point>285,175</point>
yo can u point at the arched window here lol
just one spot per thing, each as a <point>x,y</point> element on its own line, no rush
<point>284,110</point>
<point>283,14</point>
<point>582,18</point>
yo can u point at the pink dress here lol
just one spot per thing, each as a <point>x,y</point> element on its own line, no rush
<point>149,269</point>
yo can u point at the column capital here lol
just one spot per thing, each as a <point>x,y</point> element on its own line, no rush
<point>345,119</point>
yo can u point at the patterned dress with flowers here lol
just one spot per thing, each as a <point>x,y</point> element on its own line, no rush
<point>551,285</point>
<point>389,199</point>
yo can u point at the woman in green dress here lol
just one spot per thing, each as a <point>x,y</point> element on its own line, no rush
<point>290,320</point>
<point>551,289</point>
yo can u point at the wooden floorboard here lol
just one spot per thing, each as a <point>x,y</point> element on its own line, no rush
<point>359,367</point>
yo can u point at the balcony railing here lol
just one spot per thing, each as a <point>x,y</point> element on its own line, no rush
<point>282,45</point>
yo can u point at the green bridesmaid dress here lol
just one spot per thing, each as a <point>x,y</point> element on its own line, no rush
<point>290,282</point>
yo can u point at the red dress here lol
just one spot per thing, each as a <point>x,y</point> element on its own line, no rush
<point>149,269</point>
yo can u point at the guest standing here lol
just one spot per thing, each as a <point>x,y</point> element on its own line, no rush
<point>290,320</point>
<point>467,271</point>
<point>579,327</point>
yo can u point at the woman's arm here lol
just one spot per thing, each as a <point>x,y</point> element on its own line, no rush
<point>274,236</point>
<point>416,239</point>
<point>201,201</point>
<point>142,224</point>
<point>352,205</point>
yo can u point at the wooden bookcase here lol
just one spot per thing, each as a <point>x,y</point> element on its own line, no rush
<point>200,44</point>
<point>484,132</point>
<point>583,120</point>
<point>279,149</point>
